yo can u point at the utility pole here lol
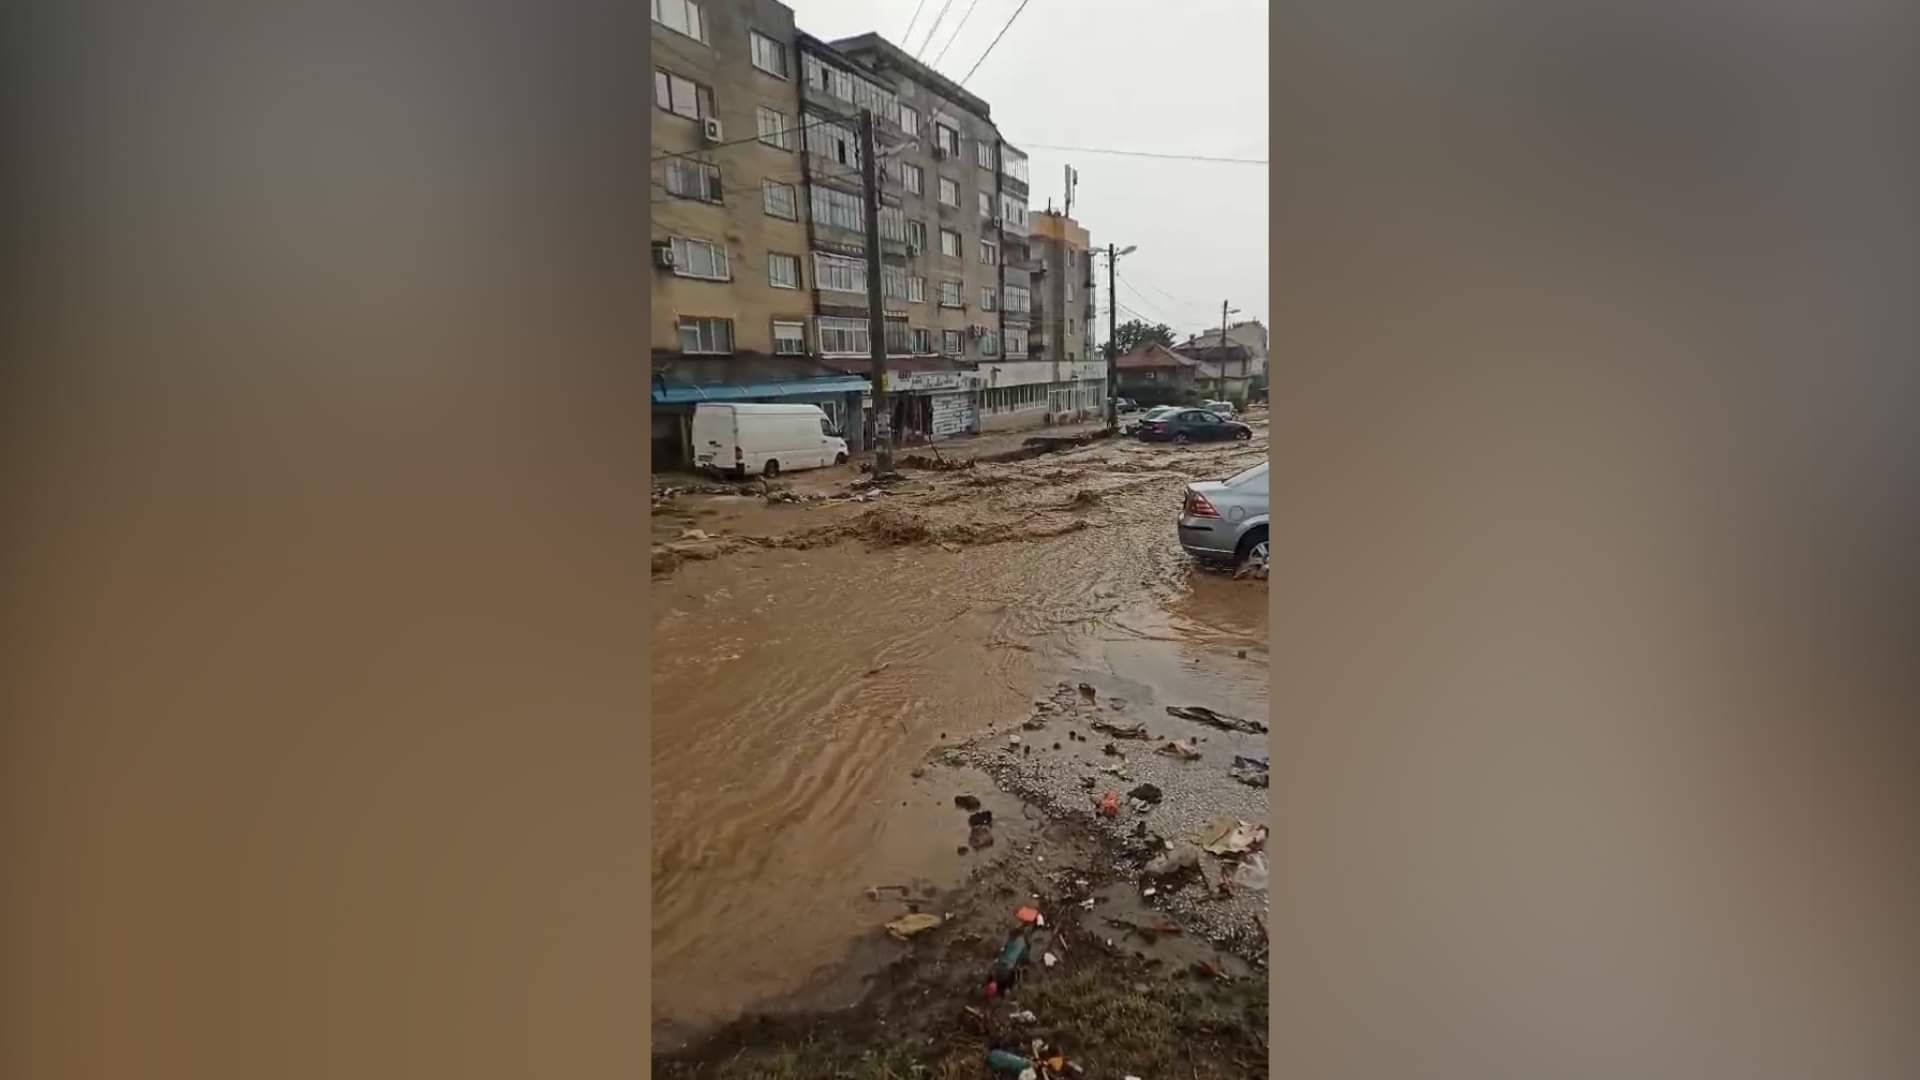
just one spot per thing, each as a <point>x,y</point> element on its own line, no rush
<point>876,311</point>
<point>1113,348</point>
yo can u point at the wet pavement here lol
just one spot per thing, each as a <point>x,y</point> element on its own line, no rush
<point>810,660</point>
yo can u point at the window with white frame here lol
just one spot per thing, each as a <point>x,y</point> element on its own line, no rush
<point>842,337</point>
<point>1069,292</point>
<point>946,138</point>
<point>840,209</point>
<point>917,235</point>
<point>681,96</point>
<point>989,344</point>
<point>983,153</point>
<point>913,178</point>
<point>893,282</point>
<point>899,341</point>
<point>916,290</point>
<point>1014,211</point>
<point>950,293</point>
<point>700,259</point>
<point>1016,341</point>
<point>706,335</point>
<point>949,192</point>
<point>986,205</point>
<point>776,128</point>
<point>789,338</point>
<point>839,273</point>
<point>769,55</point>
<point>832,142</point>
<point>680,16</point>
<point>989,252</point>
<point>780,200</point>
<point>989,298</point>
<point>783,271</point>
<point>909,119</point>
<point>691,179</point>
<point>950,243</point>
<point>856,90</point>
<point>922,340</point>
<point>1019,300</point>
<point>1013,163</point>
<point>893,223</point>
<point>953,342</point>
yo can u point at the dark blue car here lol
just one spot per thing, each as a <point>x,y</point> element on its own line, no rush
<point>1191,425</point>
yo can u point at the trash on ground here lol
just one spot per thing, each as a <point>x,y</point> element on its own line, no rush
<point>980,836</point>
<point>980,817</point>
<point>1226,836</point>
<point>1135,730</point>
<point>1050,959</point>
<point>1202,715</point>
<point>1087,691</point>
<point>966,802</point>
<point>1027,914</point>
<point>1109,805</point>
<point>1182,856</point>
<point>1006,1061</point>
<point>1146,793</point>
<point>1013,740</point>
<point>878,668</point>
<point>1024,1016</point>
<point>1006,966</point>
<point>907,926</point>
<point>1251,873</point>
<point>1178,749</point>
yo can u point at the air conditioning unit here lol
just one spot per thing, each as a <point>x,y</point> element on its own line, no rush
<point>711,130</point>
<point>913,248</point>
<point>663,255</point>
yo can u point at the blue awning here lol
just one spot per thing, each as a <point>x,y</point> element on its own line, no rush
<point>685,393</point>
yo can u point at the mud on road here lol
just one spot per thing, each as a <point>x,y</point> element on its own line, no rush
<point>815,653</point>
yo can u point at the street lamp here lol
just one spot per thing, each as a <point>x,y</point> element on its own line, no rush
<point>1113,344</point>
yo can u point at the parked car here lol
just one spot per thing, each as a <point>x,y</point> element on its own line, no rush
<point>1221,408</point>
<point>1154,413</point>
<point>1125,405</point>
<point>1226,520</point>
<point>1192,425</point>
<point>764,439</point>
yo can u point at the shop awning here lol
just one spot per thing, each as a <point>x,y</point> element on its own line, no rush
<point>687,393</point>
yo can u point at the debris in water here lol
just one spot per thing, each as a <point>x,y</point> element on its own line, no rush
<point>1013,740</point>
<point>1200,715</point>
<point>907,926</point>
<point>980,836</point>
<point>918,771</point>
<point>1024,1016</point>
<point>1225,836</point>
<point>1121,731</point>
<point>1250,769</point>
<point>980,817</point>
<point>966,802</point>
<point>1026,914</point>
<point>1087,691</point>
<point>878,668</point>
<point>1182,750</point>
<point>1145,793</point>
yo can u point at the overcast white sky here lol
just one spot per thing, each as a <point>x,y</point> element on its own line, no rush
<point>1177,78</point>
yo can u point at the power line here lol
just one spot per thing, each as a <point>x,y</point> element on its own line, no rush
<point>996,41</point>
<point>933,30</point>
<point>1148,154</point>
<point>908,35</point>
<point>956,35</point>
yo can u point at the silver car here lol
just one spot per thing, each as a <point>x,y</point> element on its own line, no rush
<point>1226,520</point>
<point>1221,408</point>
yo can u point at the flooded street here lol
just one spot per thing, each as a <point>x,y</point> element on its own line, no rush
<point>809,658</point>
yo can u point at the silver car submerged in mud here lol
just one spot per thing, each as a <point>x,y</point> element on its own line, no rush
<point>1225,521</point>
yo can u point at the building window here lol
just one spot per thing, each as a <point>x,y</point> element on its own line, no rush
<point>917,235</point>
<point>989,345</point>
<point>953,342</point>
<point>681,96</point>
<point>1014,211</point>
<point>986,205</point>
<point>776,128</point>
<point>983,153</point>
<point>708,336</point>
<point>680,16</point>
<point>916,290</point>
<point>989,299</point>
<point>840,209</point>
<point>1013,164</point>
<point>913,178</point>
<point>949,243</point>
<point>783,271</point>
<point>922,340</point>
<point>768,55</point>
<point>832,142</point>
<point>691,179</point>
<point>1019,300</point>
<point>842,337</point>
<point>839,273</point>
<point>789,338</point>
<point>899,342</point>
<point>780,200</point>
<point>909,120</point>
<point>1069,292</point>
<point>949,192</point>
<point>950,293</point>
<point>946,139</point>
<point>893,282</point>
<point>1016,342</point>
<point>989,252</point>
<point>893,224</point>
<point>700,259</point>
<point>862,93</point>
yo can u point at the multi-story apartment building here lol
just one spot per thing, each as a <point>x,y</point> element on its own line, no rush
<point>1063,309</point>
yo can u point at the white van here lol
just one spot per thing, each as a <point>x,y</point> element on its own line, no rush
<point>764,439</point>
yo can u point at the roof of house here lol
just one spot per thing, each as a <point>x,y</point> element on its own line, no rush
<point>1153,355</point>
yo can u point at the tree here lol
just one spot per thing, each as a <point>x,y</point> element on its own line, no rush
<point>1133,333</point>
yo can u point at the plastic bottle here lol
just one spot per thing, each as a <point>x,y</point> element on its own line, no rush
<point>1006,965</point>
<point>1006,1061</point>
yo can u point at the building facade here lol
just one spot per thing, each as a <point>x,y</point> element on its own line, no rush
<point>1251,334</point>
<point>1063,311</point>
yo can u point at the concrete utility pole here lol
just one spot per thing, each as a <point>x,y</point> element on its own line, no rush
<point>1224,311</point>
<point>876,311</point>
<point>1113,348</point>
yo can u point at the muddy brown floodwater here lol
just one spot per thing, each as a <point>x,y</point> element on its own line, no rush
<point>814,655</point>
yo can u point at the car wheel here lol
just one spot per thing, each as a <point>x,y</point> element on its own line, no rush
<point>1253,549</point>
<point>839,459</point>
<point>1243,434</point>
<point>773,469</point>
<point>1179,438</point>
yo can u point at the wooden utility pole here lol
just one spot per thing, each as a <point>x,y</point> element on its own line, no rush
<point>1113,348</point>
<point>876,311</point>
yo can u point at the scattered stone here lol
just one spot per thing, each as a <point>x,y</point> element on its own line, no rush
<point>983,817</point>
<point>1145,793</point>
<point>919,771</point>
<point>966,802</point>
<point>981,836</point>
